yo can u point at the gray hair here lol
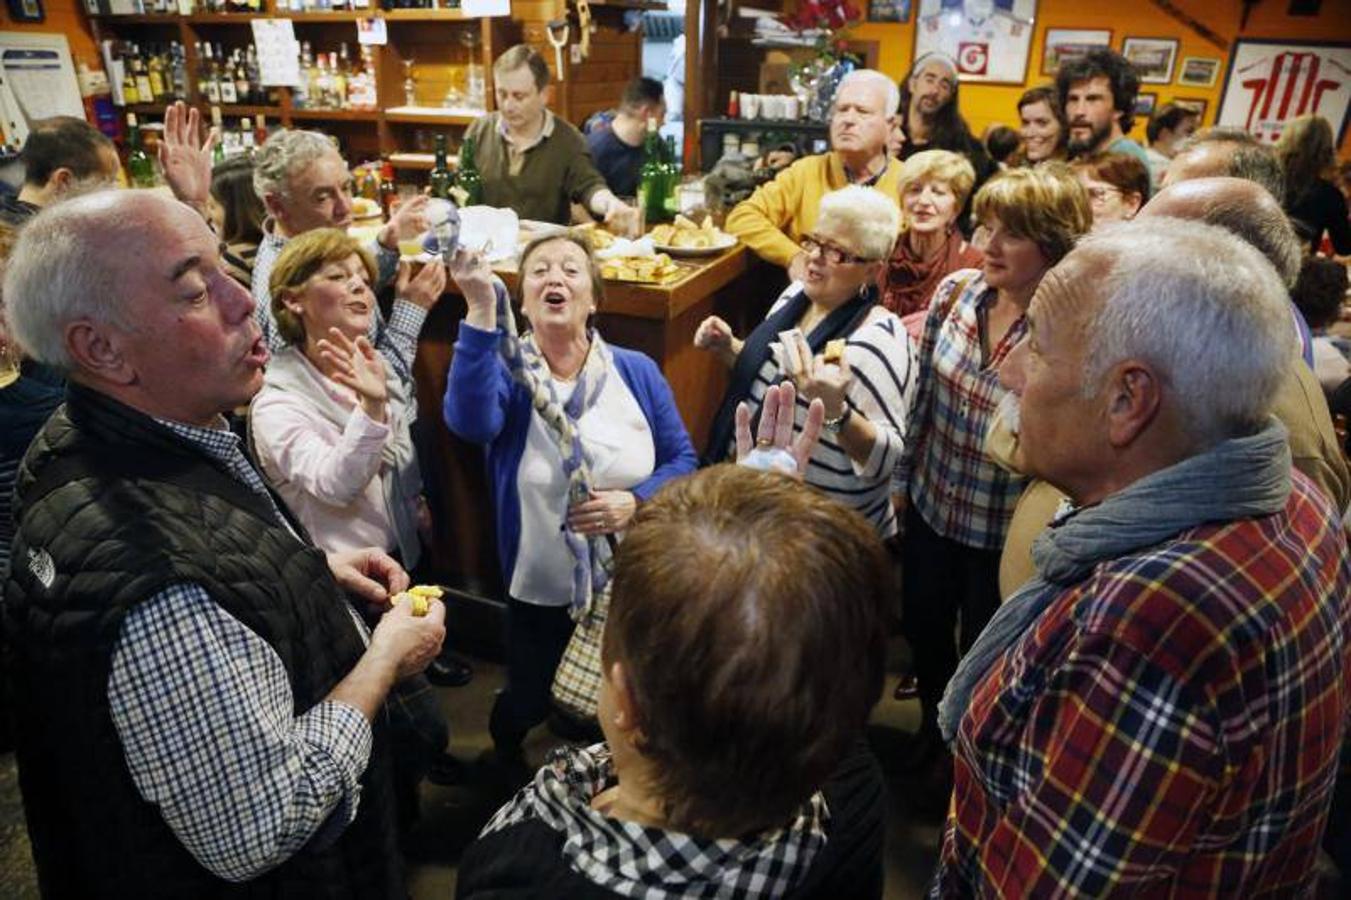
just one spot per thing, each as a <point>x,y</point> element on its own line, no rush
<point>282,155</point>
<point>868,217</point>
<point>891,98</point>
<point>1258,219</point>
<point>1214,320</point>
<point>52,278</point>
<point>1250,159</point>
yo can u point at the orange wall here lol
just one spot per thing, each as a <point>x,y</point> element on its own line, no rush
<point>993,104</point>
<point>66,17</point>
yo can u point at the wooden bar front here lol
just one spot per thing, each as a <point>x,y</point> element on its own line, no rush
<point>659,320</point>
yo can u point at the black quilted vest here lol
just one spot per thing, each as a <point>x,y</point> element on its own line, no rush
<point>110,508</point>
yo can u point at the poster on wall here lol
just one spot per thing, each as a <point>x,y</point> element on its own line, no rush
<point>888,10</point>
<point>1065,44</point>
<point>1271,82</point>
<point>990,39</point>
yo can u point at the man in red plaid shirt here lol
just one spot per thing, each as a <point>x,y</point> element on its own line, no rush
<point>1160,711</point>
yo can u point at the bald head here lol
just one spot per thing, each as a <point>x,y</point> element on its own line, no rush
<point>72,261</point>
<point>1241,207</point>
<point>1226,152</point>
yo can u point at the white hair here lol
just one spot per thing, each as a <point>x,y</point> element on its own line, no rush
<point>1203,307</point>
<point>869,218</point>
<point>64,267</point>
<point>892,96</point>
<point>282,155</point>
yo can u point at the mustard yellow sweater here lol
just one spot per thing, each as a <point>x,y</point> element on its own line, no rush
<point>771,220</point>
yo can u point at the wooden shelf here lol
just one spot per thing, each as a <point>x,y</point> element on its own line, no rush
<point>236,110</point>
<point>421,115</point>
<point>148,19</point>
<point>337,115</point>
<point>427,15</point>
<point>410,160</point>
<point>145,109</point>
<point>642,5</point>
<point>220,18</point>
<point>339,15</point>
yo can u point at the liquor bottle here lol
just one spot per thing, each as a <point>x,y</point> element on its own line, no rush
<point>225,75</point>
<point>361,85</point>
<point>338,70</point>
<point>257,93</point>
<point>441,178</point>
<point>243,93</point>
<point>260,131</point>
<point>156,74</point>
<point>130,94</point>
<point>140,167</point>
<point>179,68</point>
<point>300,94</point>
<point>467,178</point>
<point>143,88</point>
<point>388,191</point>
<point>207,81</point>
<point>218,126</point>
<point>246,138</point>
<point>652,177</point>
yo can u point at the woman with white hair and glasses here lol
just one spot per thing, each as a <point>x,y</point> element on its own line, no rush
<point>843,347</point>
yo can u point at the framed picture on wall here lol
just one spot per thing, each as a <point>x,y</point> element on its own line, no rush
<point>1198,71</point>
<point>1153,58</point>
<point>888,10</point>
<point>1064,44</point>
<point>1145,101</point>
<point>1195,104</point>
<point>990,41</point>
<point>1270,82</point>
<point>27,10</point>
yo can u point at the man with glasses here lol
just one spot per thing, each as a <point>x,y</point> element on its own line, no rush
<point>773,219</point>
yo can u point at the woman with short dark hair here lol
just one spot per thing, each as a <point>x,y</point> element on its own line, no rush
<point>237,214</point>
<point>744,649</point>
<point>1118,185</point>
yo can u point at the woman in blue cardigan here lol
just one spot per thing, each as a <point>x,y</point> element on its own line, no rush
<point>577,433</point>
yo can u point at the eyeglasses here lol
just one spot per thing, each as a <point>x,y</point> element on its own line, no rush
<point>831,253</point>
<point>1098,194</point>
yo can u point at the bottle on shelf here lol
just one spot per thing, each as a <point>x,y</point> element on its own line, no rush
<point>441,178</point>
<point>178,68</point>
<point>467,177</point>
<point>243,90</point>
<point>300,94</point>
<point>225,76</point>
<point>338,69</point>
<point>142,75</point>
<point>218,126</point>
<point>260,131</point>
<point>361,85</point>
<point>130,94</point>
<point>207,79</point>
<point>158,89</point>
<point>389,193</point>
<point>652,177</point>
<point>140,167</point>
<point>246,138</point>
<point>257,93</point>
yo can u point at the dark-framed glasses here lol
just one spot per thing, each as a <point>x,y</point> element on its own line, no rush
<point>831,253</point>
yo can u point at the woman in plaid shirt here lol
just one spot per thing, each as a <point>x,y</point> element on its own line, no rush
<point>958,501</point>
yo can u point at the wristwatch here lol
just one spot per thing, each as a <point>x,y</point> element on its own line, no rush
<point>836,425</point>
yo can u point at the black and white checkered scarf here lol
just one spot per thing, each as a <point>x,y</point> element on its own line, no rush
<point>651,863</point>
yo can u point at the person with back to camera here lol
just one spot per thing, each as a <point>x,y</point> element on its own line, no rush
<point>733,764</point>
<point>1307,152</point>
<point>558,411</point>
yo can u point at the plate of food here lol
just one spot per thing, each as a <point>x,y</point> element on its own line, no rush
<point>685,238</point>
<point>656,269</point>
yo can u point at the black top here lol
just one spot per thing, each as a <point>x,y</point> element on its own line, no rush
<point>1322,208</point>
<point>524,860</point>
<point>616,160</point>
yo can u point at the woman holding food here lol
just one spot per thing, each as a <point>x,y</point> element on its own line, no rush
<point>959,501</point>
<point>934,187</point>
<point>831,337</point>
<point>577,434</point>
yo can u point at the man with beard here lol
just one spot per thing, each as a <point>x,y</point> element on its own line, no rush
<point>774,218</point>
<point>1097,92</point>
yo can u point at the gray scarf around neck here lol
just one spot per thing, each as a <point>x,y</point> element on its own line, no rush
<point>1237,479</point>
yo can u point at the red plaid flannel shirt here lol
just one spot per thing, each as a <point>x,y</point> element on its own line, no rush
<point>1170,727</point>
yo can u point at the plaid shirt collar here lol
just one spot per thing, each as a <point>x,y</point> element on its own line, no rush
<point>636,861</point>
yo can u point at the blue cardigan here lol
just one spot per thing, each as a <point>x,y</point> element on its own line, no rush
<point>485,406</point>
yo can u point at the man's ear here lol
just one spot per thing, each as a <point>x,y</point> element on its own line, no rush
<point>548,92</point>
<point>97,352</point>
<point>60,181</point>
<point>272,203</point>
<point>1134,397</point>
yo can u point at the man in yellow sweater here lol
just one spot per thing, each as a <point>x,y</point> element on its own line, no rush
<point>773,219</point>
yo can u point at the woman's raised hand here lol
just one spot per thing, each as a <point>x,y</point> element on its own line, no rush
<point>424,288</point>
<point>774,448</point>
<point>470,271</point>
<point>715,336</point>
<point>356,364</point>
<point>816,379</point>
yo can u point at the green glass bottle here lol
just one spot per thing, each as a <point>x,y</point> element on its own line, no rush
<point>468,178</point>
<point>140,167</point>
<point>652,178</point>
<point>441,177</point>
<point>671,170</point>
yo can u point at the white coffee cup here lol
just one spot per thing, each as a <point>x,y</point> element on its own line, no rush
<point>790,108</point>
<point>750,106</point>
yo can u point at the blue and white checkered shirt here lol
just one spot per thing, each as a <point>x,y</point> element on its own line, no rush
<point>396,339</point>
<point>203,708</point>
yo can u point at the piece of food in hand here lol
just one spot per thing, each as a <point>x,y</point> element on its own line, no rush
<point>834,351</point>
<point>365,208</point>
<point>420,596</point>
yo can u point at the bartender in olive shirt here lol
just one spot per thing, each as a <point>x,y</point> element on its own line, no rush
<point>532,161</point>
